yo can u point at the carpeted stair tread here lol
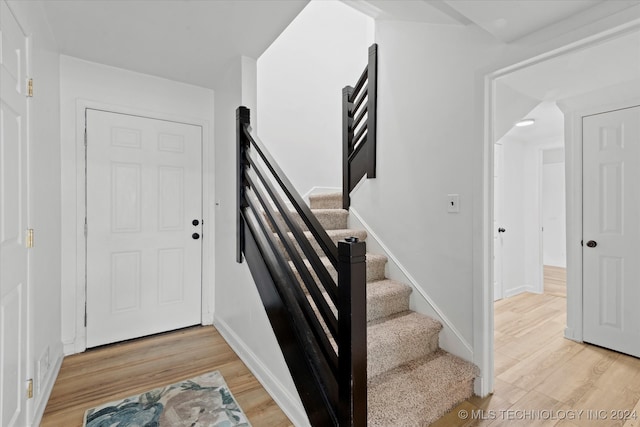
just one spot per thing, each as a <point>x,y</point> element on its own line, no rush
<point>419,392</point>
<point>330,219</point>
<point>334,235</point>
<point>396,340</point>
<point>386,297</point>
<point>326,201</point>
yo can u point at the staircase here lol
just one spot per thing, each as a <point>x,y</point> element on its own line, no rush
<point>411,381</point>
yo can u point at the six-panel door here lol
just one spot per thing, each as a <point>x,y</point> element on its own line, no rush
<point>13,221</point>
<point>144,253</point>
<point>611,251</point>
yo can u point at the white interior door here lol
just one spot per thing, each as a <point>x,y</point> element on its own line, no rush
<point>144,226</point>
<point>611,252</point>
<point>498,207</point>
<point>13,221</point>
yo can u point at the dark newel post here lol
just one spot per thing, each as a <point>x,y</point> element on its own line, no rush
<point>242,119</point>
<point>372,85</point>
<point>347,136</point>
<point>352,332</point>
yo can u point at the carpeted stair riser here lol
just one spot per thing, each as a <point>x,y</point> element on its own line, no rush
<point>384,298</point>
<point>330,219</point>
<point>421,391</point>
<point>335,235</point>
<point>398,340</point>
<point>326,201</point>
<point>375,268</point>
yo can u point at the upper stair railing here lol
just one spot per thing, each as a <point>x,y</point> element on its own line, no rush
<point>320,325</point>
<point>359,111</point>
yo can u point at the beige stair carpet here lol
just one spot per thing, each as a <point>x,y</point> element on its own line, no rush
<point>411,381</point>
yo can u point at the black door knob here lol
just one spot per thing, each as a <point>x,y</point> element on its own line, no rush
<point>501,230</point>
<point>195,222</point>
<point>195,236</point>
<point>592,243</point>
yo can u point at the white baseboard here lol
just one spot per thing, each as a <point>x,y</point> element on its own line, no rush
<point>451,339</point>
<point>47,387</point>
<point>69,348</point>
<point>519,290</point>
<point>570,334</point>
<point>288,403</point>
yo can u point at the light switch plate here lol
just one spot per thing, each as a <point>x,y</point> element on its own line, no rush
<point>453,203</point>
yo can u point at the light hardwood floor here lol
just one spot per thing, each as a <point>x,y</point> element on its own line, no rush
<point>555,281</point>
<point>538,370</point>
<point>121,370</point>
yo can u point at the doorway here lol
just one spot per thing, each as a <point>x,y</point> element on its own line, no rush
<point>143,226</point>
<point>554,77</point>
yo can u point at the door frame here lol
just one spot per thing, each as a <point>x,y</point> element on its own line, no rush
<point>207,276</point>
<point>483,313</point>
<point>574,173</point>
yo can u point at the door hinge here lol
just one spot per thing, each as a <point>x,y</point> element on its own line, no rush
<point>30,88</point>
<point>85,314</point>
<point>29,242</point>
<point>30,388</point>
<point>85,227</point>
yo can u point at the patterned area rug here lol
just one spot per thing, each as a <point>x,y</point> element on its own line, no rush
<point>198,402</point>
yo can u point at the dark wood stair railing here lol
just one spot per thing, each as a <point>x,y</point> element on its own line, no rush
<point>332,383</point>
<point>359,114</point>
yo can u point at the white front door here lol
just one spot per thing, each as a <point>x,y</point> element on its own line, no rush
<point>498,208</point>
<point>611,251</point>
<point>13,221</point>
<point>144,226</point>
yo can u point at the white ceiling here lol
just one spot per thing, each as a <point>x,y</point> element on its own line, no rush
<point>613,63</point>
<point>506,20</point>
<point>192,40</point>
<point>549,125</point>
<point>184,40</point>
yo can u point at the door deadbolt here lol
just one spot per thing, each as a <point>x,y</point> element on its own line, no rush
<point>501,230</point>
<point>592,243</point>
<point>195,222</point>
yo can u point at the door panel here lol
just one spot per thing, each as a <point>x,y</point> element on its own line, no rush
<point>13,221</point>
<point>611,284</point>
<point>143,192</point>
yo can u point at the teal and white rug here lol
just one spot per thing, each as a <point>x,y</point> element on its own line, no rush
<point>203,401</point>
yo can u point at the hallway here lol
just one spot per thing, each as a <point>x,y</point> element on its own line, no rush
<point>120,370</point>
<point>537,369</point>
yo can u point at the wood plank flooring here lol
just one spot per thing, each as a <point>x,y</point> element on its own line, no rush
<point>555,281</point>
<point>125,369</point>
<point>538,370</point>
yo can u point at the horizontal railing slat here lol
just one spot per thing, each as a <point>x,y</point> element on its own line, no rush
<point>323,239</point>
<point>359,101</point>
<point>359,117</point>
<point>296,297</point>
<point>321,303</point>
<point>326,280</point>
<point>321,372</point>
<point>361,81</point>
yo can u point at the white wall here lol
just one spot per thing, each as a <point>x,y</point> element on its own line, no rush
<point>425,135</point>
<point>300,81</point>
<point>82,84</point>
<point>553,208</point>
<point>44,208</point>
<point>239,313</point>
